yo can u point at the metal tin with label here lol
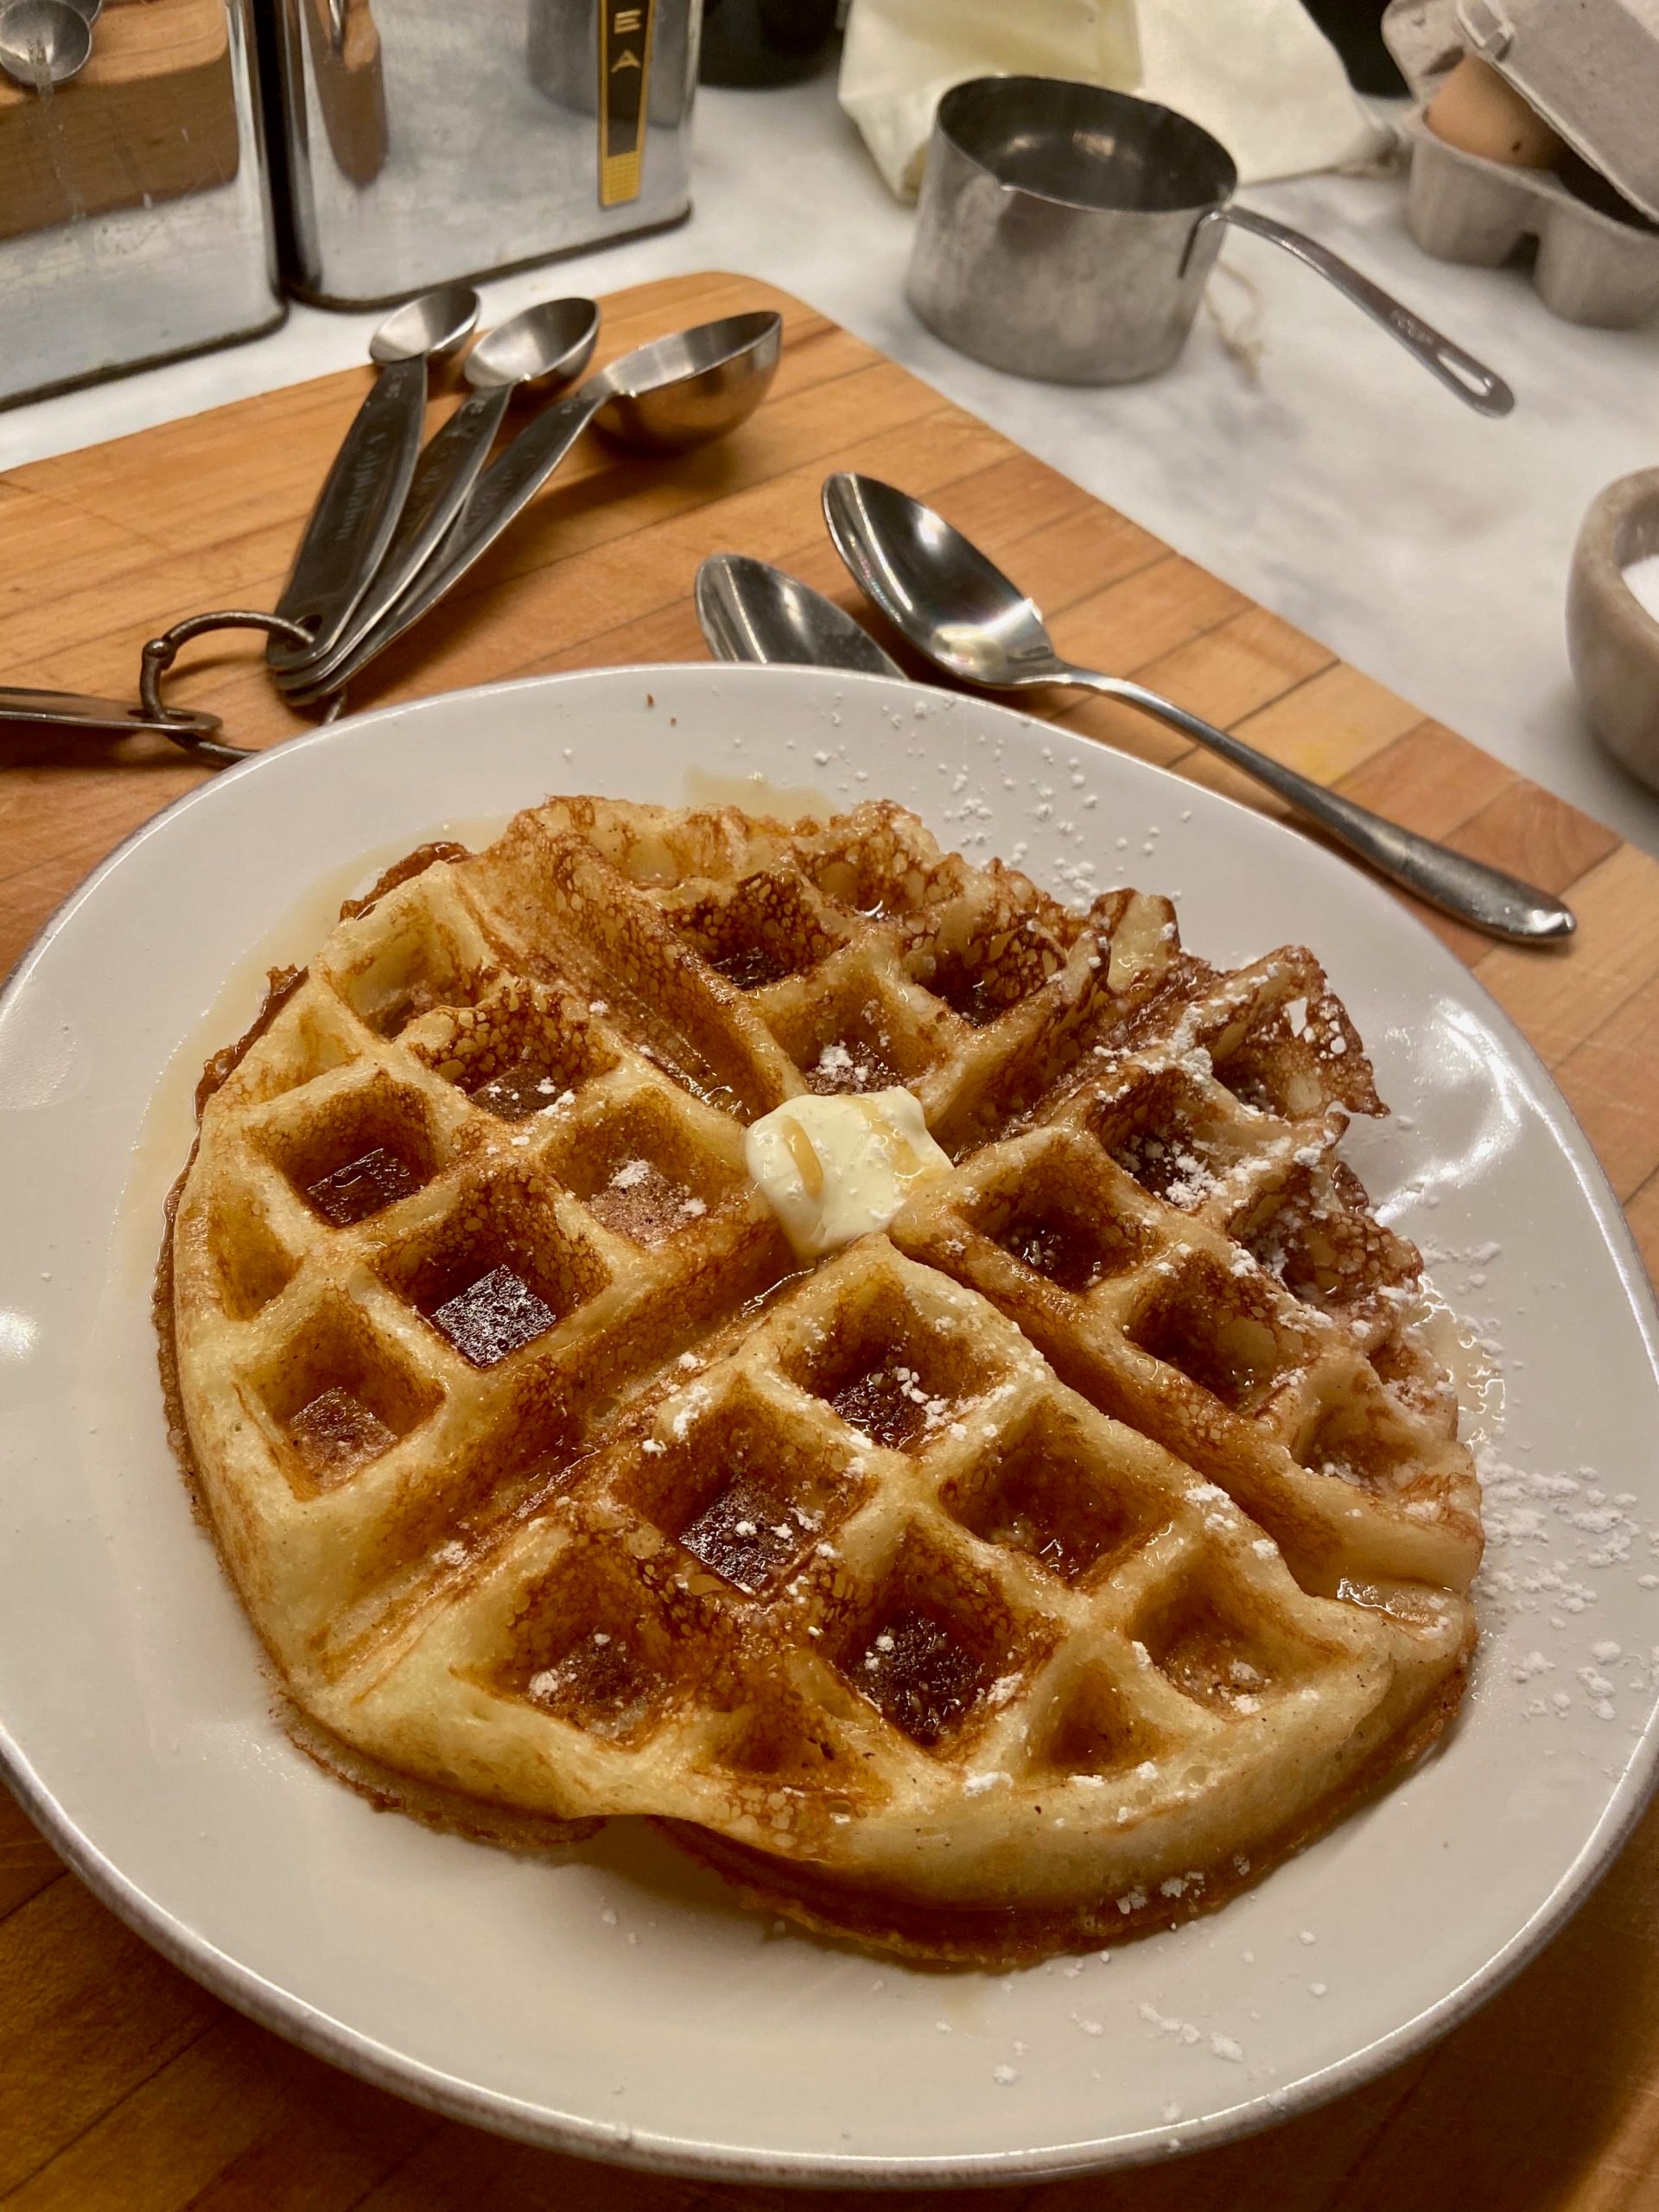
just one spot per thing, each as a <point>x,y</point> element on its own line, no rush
<point>134,223</point>
<point>421,140</point>
<point>624,59</point>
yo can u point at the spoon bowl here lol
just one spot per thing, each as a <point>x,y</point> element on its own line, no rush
<point>683,391</point>
<point>43,42</point>
<point>935,586</point>
<point>958,609</point>
<point>428,327</point>
<point>549,344</point>
<point>750,611</point>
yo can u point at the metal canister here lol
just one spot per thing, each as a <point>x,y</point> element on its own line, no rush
<point>135,223</point>
<point>422,142</point>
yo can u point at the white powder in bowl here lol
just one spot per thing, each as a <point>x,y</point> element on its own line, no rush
<point>1642,578</point>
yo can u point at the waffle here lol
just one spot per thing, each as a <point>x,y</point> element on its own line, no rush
<point>1035,1573</point>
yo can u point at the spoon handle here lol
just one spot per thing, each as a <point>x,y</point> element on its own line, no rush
<point>1498,904</point>
<point>357,509</point>
<point>505,488</point>
<point>1475,385</point>
<point>447,470</point>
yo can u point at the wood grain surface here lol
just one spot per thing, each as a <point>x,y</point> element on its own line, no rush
<point>122,2083</point>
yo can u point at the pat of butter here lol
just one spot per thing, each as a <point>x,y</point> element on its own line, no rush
<point>832,1169</point>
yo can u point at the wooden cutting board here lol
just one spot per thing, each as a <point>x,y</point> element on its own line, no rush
<point>122,2083</point>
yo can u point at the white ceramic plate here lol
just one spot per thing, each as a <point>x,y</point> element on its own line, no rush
<point>622,2006</point>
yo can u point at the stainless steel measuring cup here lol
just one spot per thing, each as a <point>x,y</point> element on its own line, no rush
<point>1065,232</point>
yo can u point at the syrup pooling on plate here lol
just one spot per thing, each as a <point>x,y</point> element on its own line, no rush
<point>554,1477</point>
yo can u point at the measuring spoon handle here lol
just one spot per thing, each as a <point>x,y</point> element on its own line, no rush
<point>505,488</point>
<point>448,469</point>
<point>1475,385</point>
<point>357,509</point>
<point>1501,904</point>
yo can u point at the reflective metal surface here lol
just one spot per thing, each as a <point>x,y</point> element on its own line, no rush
<point>195,732</point>
<point>1065,232</point>
<point>19,703</point>
<point>134,224</point>
<point>957,607</point>
<point>665,396</point>
<point>682,390</point>
<point>43,42</point>
<point>351,524</point>
<point>749,611</point>
<point>427,327</point>
<point>548,344</point>
<point>159,655</point>
<point>425,140</point>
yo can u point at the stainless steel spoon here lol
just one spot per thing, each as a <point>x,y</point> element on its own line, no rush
<point>549,344</point>
<point>44,42</point>
<point>666,396</point>
<point>750,611</point>
<point>356,510</point>
<point>955,607</point>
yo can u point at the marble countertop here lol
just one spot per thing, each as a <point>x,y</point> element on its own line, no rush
<point>1293,449</point>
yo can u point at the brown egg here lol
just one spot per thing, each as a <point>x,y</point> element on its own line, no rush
<point>1475,110</point>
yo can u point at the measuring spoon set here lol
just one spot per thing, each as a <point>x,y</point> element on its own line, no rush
<point>397,523</point>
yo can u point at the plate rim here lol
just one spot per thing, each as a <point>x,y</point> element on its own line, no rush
<point>325,2037</point>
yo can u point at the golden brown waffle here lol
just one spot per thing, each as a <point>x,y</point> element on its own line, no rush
<point>1039,1571</point>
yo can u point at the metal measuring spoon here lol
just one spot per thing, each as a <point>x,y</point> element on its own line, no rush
<point>76,710</point>
<point>363,495</point>
<point>666,396</point>
<point>44,42</point>
<point>547,345</point>
<point>750,611</point>
<point>958,608</point>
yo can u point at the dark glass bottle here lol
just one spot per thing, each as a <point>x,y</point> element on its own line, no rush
<point>1354,28</point>
<point>759,43</point>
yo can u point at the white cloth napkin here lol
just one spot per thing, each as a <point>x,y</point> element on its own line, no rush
<point>1257,73</point>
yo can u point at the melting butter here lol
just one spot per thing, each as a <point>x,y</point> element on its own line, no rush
<point>832,1169</point>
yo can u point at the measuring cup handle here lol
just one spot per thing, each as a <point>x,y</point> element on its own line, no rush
<point>1475,385</point>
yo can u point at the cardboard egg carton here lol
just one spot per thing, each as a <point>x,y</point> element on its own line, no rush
<point>1592,71</point>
